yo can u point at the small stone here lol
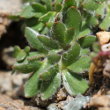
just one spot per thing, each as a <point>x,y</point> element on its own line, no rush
<point>103,37</point>
<point>104,108</point>
<point>61,95</point>
<point>1,108</point>
<point>7,103</point>
<point>100,101</point>
<point>105,47</point>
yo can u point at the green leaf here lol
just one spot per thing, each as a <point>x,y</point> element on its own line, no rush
<point>87,41</point>
<point>81,65</point>
<point>19,54</point>
<point>17,49</point>
<point>38,27</point>
<point>27,66</point>
<point>45,31</point>
<point>59,31</point>
<point>38,7</point>
<point>52,87</point>
<point>69,3</point>
<point>92,21</point>
<point>53,57</point>
<point>48,16</point>
<point>35,56</point>
<point>74,83</point>
<point>27,12</point>
<point>71,55</point>
<point>100,1</point>
<point>84,51</point>
<point>27,49</point>
<point>100,12</point>
<point>96,47</point>
<point>84,32</point>
<point>58,1</point>
<point>34,42</point>
<point>48,42</point>
<point>73,19</point>
<point>48,4</point>
<point>69,35</point>
<point>32,85</point>
<point>58,7</point>
<point>90,5</point>
<point>49,73</point>
<point>106,22</point>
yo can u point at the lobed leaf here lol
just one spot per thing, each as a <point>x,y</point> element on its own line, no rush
<point>71,55</point>
<point>106,22</point>
<point>69,3</point>
<point>27,66</point>
<point>69,35</point>
<point>39,7</point>
<point>32,85</point>
<point>48,42</point>
<point>84,51</point>
<point>19,54</point>
<point>48,16</point>
<point>74,83</point>
<point>53,57</point>
<point>73,19</point>
<point>34,42</point>
<point>52,87</point>
<point>49,73</point>
<point>83,33</point>
<point>58,32</point>
<point>87,41</point>
<point>27,12</point>
<point>90,5</point>
<point>92,21</point>
<point>82,65</point>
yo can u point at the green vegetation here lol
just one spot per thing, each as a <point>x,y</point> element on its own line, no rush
<point>62,33</point>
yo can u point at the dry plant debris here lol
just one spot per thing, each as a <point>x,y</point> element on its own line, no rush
<point>100,74</point>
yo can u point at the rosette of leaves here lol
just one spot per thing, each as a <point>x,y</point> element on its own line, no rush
<point>39,14</point>
<point>95,14</point>
<point>59,59</point>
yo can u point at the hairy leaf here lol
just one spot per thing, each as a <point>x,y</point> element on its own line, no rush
<point>59,31</point>
<point>81,65</point>
<point>38,7</point>
<point>71,55</point>
<point>51,87</point>
<point>73,19</point>
<point>87,41</point>
<point>74,83</point>
<point>27,66</point>
<point>34,42</point>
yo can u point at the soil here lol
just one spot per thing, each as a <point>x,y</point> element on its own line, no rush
<point>11,85</point>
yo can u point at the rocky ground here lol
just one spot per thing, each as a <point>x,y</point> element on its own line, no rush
<point>11,85</point>
<point>8,7</point>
